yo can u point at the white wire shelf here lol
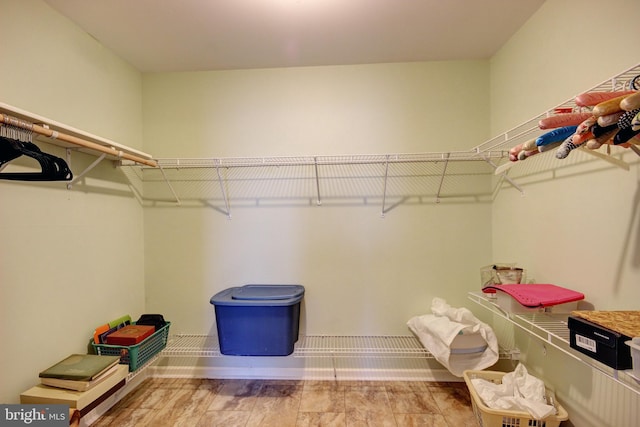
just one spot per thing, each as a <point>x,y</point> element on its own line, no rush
<point>356,346</point>
<point>383,180</point>
<point>553,329</point>
<point>343,346</point>
<point>386,180</point>
<point>312,160</point>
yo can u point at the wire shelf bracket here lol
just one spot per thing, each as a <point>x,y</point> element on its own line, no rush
<point>317,176</point>
<point>503,175</point>
<point>79,176</point>
<point>173,191</point>
<point>384,188</point>
<point>224,193</point>
<point>444,173</point>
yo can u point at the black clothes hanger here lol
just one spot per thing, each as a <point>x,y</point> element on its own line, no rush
<point>53,168</point>
<point>8,152</point>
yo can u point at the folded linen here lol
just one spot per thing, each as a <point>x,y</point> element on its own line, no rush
<point>456,338</point>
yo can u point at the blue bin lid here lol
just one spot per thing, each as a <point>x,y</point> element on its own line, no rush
<point>267,292</point>
<point>269,295</point>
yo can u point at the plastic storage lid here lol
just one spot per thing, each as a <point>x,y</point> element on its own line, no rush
<point>260,295</point>
<point>267,292</point>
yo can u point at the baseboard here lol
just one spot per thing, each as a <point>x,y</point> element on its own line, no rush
<point>305,368</point>
<point>301,374</point>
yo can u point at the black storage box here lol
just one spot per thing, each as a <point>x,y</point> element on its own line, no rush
<point>156,320</point>
<point>602,344</point>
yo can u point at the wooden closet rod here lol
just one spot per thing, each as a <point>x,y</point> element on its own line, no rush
<point>22,124</point>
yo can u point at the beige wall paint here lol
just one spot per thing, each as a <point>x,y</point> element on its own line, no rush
<point>577,225</point>
<point>69,260</point>
<point>361,109</point>
<point>362,274</point>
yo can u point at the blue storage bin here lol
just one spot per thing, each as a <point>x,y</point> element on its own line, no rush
<point>258,320</point>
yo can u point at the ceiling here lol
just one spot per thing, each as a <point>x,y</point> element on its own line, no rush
<point>197,35</point>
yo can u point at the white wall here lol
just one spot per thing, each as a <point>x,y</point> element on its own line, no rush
<point>69,260</point>
<point>363,274</point>
<point>577,225</point>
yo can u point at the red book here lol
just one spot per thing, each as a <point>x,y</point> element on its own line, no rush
<point>130,334</point>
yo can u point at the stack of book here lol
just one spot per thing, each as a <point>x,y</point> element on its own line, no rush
<point>122,331</point>
<point>80,372</point>
<point>101,332</point>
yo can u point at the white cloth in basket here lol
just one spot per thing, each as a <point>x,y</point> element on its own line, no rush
<point>519,391</point>
<point>438,331</point>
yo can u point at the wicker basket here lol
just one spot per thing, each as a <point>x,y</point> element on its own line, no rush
<point>488,417</point>
<point>136,355</point>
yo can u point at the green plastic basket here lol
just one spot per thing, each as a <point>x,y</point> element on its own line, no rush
<point>136,355</point>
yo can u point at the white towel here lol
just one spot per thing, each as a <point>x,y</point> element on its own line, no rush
<point>437,332</point>
<point>518,391</point>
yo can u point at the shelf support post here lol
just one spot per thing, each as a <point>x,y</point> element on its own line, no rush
<point>384,189</point>
<point>315,164</point>
<point>164,175</point>
<point>504,175</point>
<point>444,172</point>
<point>608,158</point>
<point>224,193</point>
<point>78,177</point>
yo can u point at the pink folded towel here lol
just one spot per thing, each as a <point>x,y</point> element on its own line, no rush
<point>539,295</point>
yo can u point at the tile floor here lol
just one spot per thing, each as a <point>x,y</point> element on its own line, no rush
<point>160,402</point>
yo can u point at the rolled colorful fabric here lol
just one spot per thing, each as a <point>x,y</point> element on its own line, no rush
<point>561,120</point>
<point>590,99</point>
<point>631,102</point>
<point>556,135</point>
<point>604,138</point>
<point>601,130</point>
<point>565,148</point>
<point>625,135</point>
<point>626,119</point>
<point>608,107</point>
<point>609,119</point>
